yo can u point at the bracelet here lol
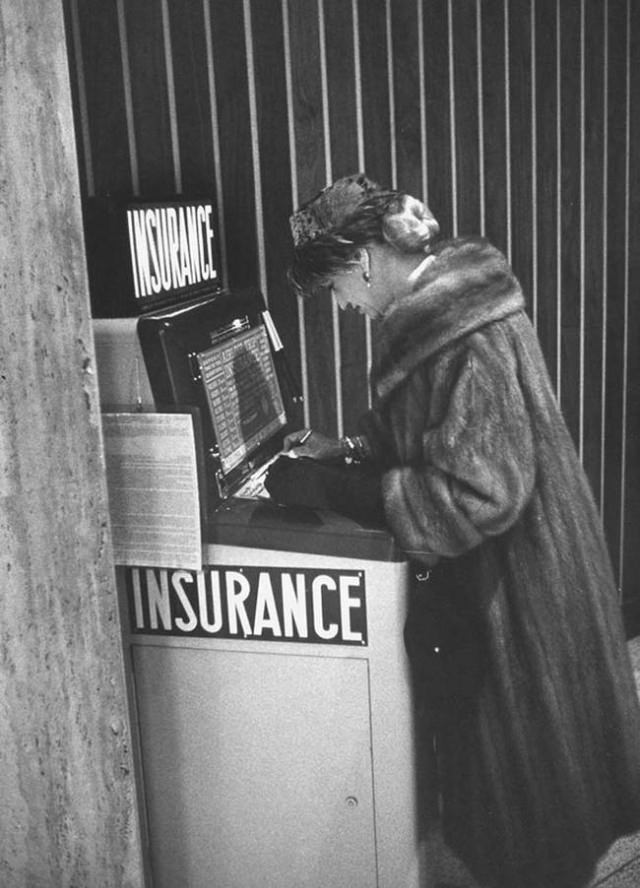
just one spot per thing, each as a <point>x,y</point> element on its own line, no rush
<point>355,449</point>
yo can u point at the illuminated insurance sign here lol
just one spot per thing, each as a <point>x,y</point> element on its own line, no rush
<point>172,249</point>
<point>250,603</point>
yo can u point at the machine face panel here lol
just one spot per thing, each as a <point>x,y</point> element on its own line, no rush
<point>216,354</point>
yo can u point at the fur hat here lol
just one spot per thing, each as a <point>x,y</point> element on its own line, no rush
<point>330,208</point>
<point>406,223</point>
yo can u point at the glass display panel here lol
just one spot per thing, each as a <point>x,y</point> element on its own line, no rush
<point>243,393</point>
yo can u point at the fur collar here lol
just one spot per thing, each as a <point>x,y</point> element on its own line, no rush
<point>466,284</point>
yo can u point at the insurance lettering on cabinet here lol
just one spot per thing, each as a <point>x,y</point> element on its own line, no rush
<point>251,603</point>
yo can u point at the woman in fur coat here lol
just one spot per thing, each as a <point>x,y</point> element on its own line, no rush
<point>530,693</point>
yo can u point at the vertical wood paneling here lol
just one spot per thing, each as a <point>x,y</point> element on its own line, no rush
<point>593,240</point>
<point>507,128</point>
<point>342,86</point>
<point>570,215</point>
<point>518,118</point>
<point>463,39</point>
<point>453,172</point>
<point>215,146</point>
<point>295,201</point>
<point>275,168</point>
<point>546,120</point>
<point>105,124</point>
<point>533,77</point>
<point>581,345</point>
<point>361,162</point>
<point>391,91</point>
<point>357,71</point>
<point>424,166</point>
<point>493,86</point>
<point>150,98</point>
<point>521,145</point>
<point>128,99</point>
<point>255,149</point>
<point>79,97</point>
<point>236,159</point>
<point>438,109</point>
<point>626,299</point>
<point>605,246</point>
<point>631,555</point>
<point>192,98</point>
<point>171,97</point>
<point>406,73</point>
<point>616,275</point>
<point>372,16</point>
<point>558,201</point>
<point>481,161</point>
<point>329,177</point>
<point>309,128</point>
<point>307,98</point>
<point>373,25</point>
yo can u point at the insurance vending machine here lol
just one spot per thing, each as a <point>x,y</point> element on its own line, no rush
<point>270,692</point>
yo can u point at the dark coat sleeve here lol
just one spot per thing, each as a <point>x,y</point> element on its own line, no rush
<point>476,470</point>
<point>354,491</point>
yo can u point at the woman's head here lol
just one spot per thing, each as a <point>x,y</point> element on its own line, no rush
<point>330,231</point>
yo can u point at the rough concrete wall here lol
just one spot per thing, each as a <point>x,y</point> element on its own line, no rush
<point>67,810</point>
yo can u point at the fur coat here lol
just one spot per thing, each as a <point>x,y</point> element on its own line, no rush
<point>540,772</point>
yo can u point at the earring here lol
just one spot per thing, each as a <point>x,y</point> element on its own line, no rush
<point>366,277</point>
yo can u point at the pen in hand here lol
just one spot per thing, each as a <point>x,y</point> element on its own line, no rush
<point>289,448</point>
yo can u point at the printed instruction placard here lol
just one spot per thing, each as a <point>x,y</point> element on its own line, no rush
<point>152,480</point>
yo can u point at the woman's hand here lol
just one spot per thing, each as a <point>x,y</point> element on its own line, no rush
<point>313,445</point>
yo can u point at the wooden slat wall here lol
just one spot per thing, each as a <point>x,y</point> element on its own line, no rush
<point>518,119</point>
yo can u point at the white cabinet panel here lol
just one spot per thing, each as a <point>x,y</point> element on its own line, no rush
<point>257,768</point>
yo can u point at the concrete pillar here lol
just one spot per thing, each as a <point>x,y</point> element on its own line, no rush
<point>67,795</point>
